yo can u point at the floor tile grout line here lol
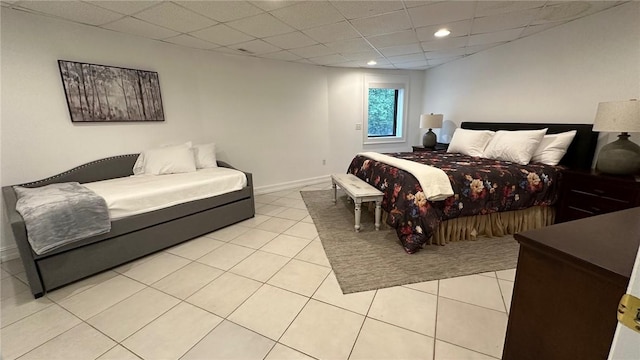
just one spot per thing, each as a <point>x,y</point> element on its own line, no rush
<point>435,325</point>
<point>476,305</point>
<point>469,349</point>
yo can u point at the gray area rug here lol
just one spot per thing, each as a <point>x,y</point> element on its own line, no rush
<point>374,259</point>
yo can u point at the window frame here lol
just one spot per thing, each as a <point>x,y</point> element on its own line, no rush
<point>382,81</point>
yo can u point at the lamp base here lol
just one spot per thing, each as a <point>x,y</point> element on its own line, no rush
<point>429,140</point>
<point>621,157</point>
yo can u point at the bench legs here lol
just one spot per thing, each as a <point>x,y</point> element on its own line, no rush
<point>333,185</point>
<point>358,214</point>
<point>378,214</point>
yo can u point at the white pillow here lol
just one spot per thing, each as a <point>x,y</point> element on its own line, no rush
<point>514,146</point>
<point>169,160</point>
<point>470,142</point>
<point>138,167</point>
<point>553,147</point>
<point>205,155</point>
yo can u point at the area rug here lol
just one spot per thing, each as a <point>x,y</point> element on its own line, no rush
<point>374,259</point>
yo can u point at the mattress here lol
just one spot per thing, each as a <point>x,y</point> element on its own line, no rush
<point>139,194</point>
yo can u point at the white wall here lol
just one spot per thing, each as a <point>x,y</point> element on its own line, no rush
<point>277,120</point>
<point>559,75</point>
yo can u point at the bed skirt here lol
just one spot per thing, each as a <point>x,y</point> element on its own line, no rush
<point>495,224</point>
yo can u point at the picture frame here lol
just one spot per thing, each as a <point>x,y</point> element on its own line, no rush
<point>102,93</point>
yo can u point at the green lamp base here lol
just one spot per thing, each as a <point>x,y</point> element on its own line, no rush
<point>621,157</point>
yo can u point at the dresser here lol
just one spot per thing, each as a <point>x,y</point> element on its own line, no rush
<point>439,146</point>
<point>588,193</point>
<point>569,280</point>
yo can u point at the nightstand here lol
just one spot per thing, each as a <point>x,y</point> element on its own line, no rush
<point>584,194</point>
<point>439,146</point>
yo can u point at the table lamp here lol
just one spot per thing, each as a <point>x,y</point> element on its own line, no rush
<point>621,157</point>
<point>429,121</point>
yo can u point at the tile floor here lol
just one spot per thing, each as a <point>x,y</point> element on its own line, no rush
<point>260,289</point>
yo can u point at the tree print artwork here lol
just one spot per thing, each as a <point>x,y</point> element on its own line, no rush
<point>97,93</point>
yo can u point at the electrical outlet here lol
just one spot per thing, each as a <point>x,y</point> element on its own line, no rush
<point>358,126</point>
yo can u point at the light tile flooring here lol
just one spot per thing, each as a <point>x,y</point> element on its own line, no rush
<point>260,289</point>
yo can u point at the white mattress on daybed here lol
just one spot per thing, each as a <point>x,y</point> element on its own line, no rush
<point>143,193</point>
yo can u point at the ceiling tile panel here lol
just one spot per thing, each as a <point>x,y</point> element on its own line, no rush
<point>133,26</point>
<point>498,36</point>
<point>416,65</point>
<point>282,55</point>
<point>222,11</point>
<point>349,46</point>
<point>397,38</point>
<point>175,17</point>
<point>406,58</point>
<point>328,60</point>
<point>435,62</point>
<point>83,13</point>
<point>261,26</point>
<point>222,34</point>
<point>332,32</point>
<point>445,53</point>
<point>313,51</point>
<point>532,29</point>
<point>257,47</point>
<point>308,14</point>
<point>190,41</point>
<point>362,56</point>
<point>499,22</point>
<point>457,28</point>
<point>382,24</point>
<point>477,48</point>
<point>360,9</point>
<point>291,40</point>
<point>126,7</point>
<point>487,8</point>
<point>446,43</point>
<point>571,10</point>
<point>401,50</point>
<point>272,5</point>
<point>442,12</point>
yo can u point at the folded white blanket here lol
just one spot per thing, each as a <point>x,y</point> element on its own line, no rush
<point>434,182</point>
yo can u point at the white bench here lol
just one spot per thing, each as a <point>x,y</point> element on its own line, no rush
<point>360,192</point>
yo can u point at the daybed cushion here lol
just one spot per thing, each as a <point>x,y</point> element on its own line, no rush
<point>142,193</point>
<point>514,146</point>
<point>470,142</point>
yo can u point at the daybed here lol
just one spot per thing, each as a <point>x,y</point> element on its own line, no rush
<point>130,237</point>
<point>490,197</point>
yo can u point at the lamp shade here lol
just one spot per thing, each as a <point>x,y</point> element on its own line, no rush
<point>431,121</point>
<point>618,116</point>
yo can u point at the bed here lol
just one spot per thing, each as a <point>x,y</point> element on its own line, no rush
<point>130,237</point>
<point>491,197</point>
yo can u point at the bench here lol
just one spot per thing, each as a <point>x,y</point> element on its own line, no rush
<point>360,192</point>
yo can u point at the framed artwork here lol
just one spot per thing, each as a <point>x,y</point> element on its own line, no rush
<point>100,93</point>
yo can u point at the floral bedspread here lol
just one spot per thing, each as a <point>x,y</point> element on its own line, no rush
<point>481,186</point>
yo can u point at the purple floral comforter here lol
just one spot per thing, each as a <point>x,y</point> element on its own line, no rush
<point>480,186</point>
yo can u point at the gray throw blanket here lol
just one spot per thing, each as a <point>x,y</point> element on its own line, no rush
<point>58,214</point>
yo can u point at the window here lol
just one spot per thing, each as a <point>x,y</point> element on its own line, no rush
<point>386,108</point>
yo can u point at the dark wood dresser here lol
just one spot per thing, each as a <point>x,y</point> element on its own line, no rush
<point>569,280</point>
<point>588,193</point>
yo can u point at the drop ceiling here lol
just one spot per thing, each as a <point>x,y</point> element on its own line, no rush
<point>395,34</point>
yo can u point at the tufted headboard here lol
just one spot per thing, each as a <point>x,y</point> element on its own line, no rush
<point>580,152</point>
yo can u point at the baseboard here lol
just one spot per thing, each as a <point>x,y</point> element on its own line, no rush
<point>9,253</point>
<point>291,185</point>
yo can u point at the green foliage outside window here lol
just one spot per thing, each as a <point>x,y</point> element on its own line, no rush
<point>382,112</point>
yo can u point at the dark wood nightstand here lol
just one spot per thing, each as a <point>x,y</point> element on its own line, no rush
<point>584,194</point>
<point>439,146</point>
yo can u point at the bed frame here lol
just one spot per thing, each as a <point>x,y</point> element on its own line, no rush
<point>131,237</point>
<point>579,154</point>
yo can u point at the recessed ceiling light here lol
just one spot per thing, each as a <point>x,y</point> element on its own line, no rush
<point>372,62</point>
<point>442,33</point>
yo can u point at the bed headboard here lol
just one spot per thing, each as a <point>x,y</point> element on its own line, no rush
<point>580,152</point>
